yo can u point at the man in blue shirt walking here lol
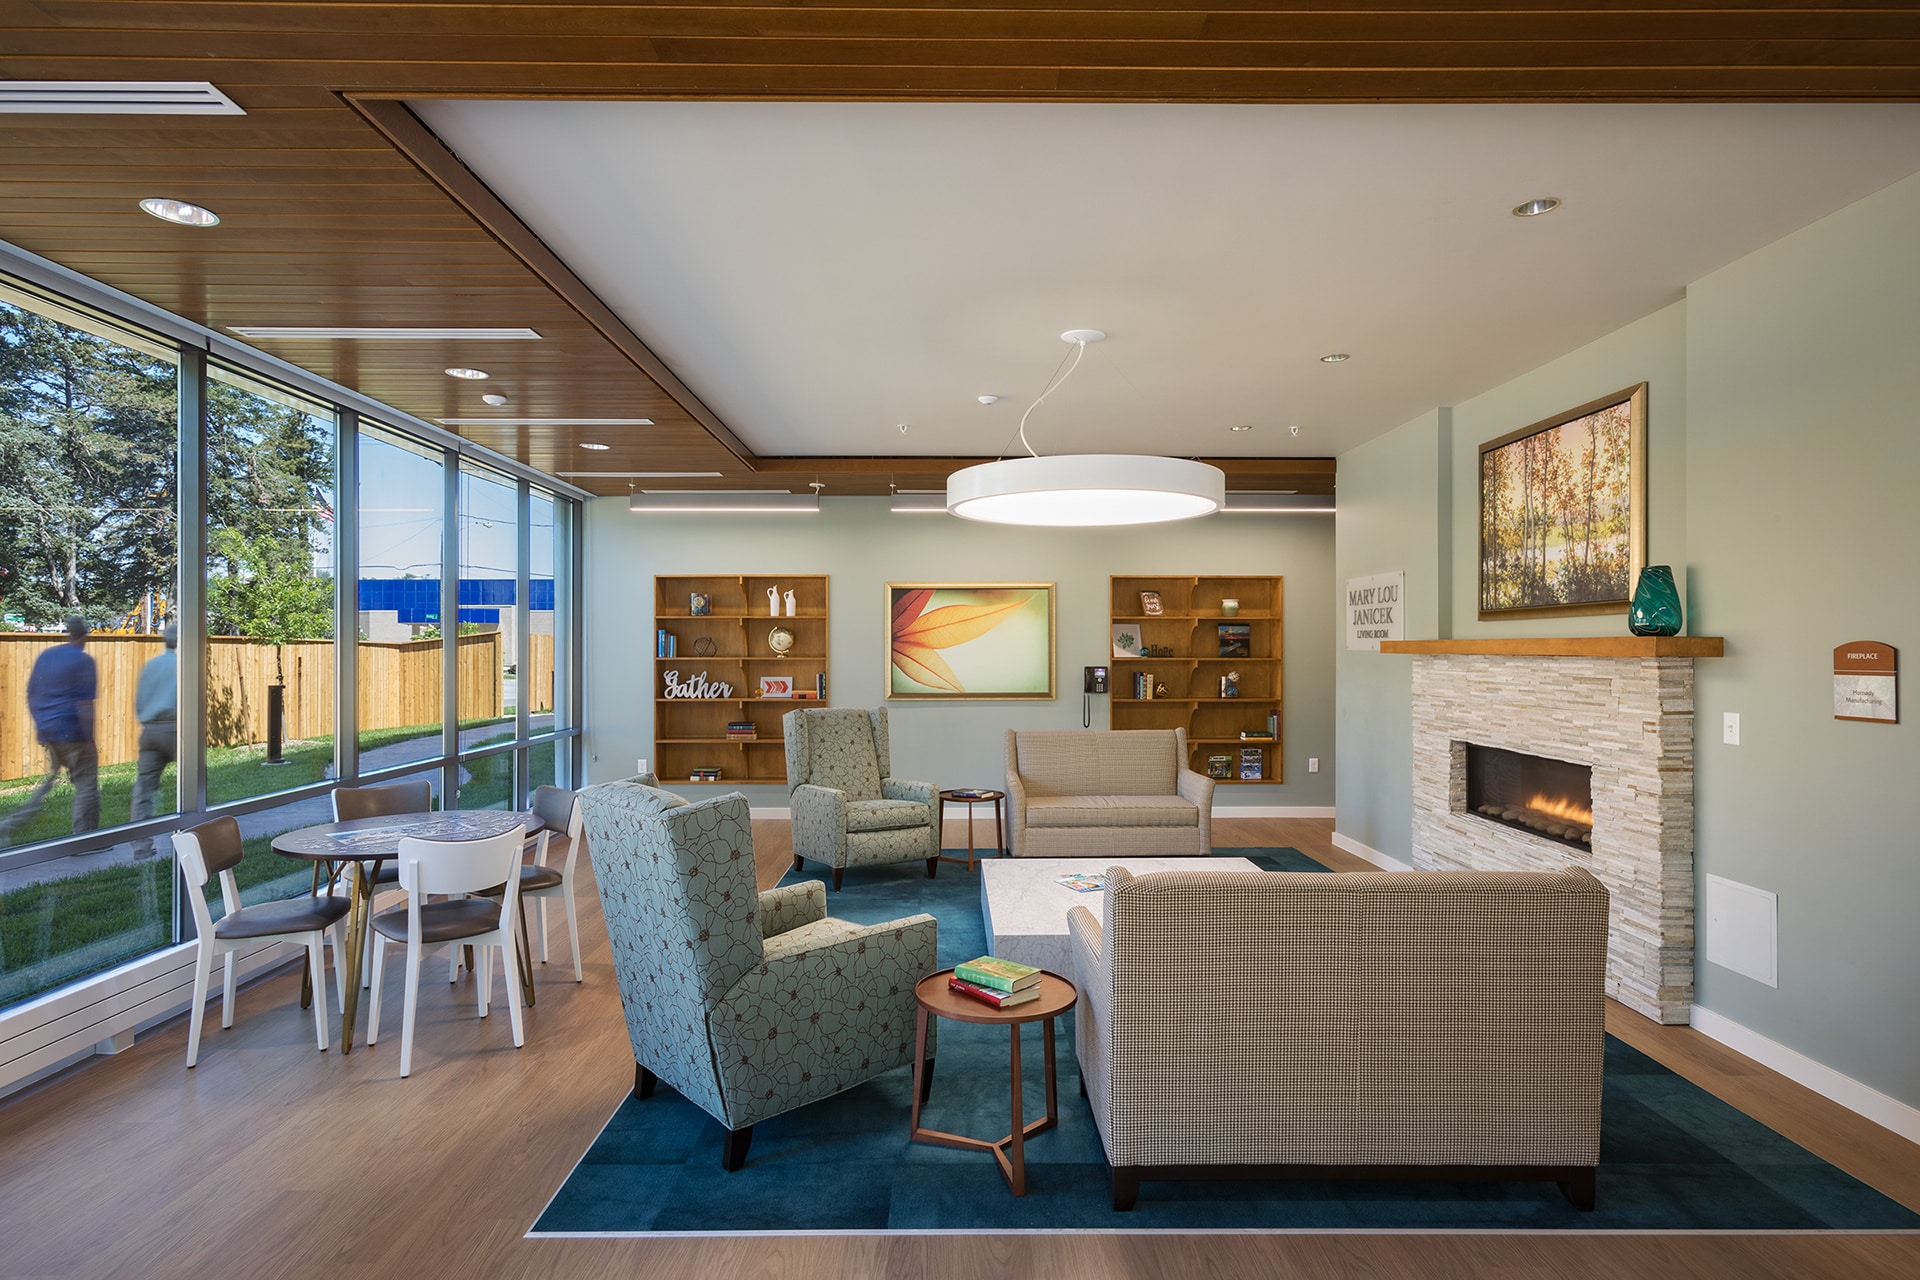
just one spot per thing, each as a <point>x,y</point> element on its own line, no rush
<point>155,705</point>
<point>60,696</point>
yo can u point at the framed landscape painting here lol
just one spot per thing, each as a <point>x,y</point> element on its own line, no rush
<point>969,640</point>
<point>1563,511</point>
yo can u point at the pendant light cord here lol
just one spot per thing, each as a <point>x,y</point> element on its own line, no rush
<point>1069,363</point>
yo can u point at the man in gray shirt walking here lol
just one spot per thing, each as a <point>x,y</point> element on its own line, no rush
<point>155,705</point>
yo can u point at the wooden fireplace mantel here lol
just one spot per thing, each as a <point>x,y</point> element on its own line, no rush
<point>1570,647</point>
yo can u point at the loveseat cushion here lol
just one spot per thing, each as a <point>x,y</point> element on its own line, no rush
<point>887,815</point>
<point>1074,762</point>
<point>1112,811</point>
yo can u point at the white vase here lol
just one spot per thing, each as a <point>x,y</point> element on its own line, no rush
<point>790,610</point>
<point>773,602</point>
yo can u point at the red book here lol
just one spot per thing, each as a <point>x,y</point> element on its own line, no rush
<point>998,999</point>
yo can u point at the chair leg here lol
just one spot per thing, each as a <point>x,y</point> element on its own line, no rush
<point>573,935</point>
<point>515,997</point>
<point>1579,1189</point>
<point>643,1082</point>
<point>411,1006</point>
<point>379,985</point>
<point>733,1150</point>
<point>317,962</point>
<point>1126,1189</point>
<point>933,867</point>
<point>799,863</point>
<point>838,872</point>
<point>540,923</point>
<point>202,979</point>
<point>483,981</point>
<point>228,990</point>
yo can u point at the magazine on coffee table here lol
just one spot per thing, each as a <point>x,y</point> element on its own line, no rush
<point>1082,883</point>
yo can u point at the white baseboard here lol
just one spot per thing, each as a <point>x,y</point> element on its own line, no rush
<point>55,1030</point>
<point>1861,1099</point>
<point>1384,861</point>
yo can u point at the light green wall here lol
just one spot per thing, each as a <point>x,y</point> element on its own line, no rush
<point>1803,519</point>
<point>1784,460</point>
<point>861,545</point>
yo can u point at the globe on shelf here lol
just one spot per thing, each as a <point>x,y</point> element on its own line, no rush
<point>780,640</point>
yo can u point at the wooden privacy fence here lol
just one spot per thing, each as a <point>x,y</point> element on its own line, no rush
<point>399,687</point>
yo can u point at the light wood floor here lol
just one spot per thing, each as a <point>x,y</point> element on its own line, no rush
<point>271,1159</point>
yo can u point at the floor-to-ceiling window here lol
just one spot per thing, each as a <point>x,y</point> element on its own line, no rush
<point>459,582</point>
<point>89,551</point>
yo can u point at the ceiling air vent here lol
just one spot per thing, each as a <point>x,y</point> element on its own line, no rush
<point>116,97</point>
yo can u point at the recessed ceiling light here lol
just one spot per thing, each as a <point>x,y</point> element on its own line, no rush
<point>988,399</point>
<point>187,215</point>
<point>472,375</point>
<point>595,445</point>
<point>382,334</point>
<point>493,398</point>
<point>1534,208</point>
<point>544,422</point>
<point>1245,426</point>
<point>1335,358</point>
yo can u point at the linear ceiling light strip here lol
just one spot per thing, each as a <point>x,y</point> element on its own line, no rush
<point>116,97</point>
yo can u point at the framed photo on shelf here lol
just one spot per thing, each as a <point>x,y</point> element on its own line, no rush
<point>1150,604</point>
<point>1563,511</point>
<point>970,640</point>
<point>776,686</point>
<point>1126,640</point>
<point>700,605</point>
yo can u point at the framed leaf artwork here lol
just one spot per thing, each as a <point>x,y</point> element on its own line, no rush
<point>1563,511</point>
<point>969,640</point>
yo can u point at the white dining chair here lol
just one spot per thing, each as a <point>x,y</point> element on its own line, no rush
<point>215,849</point>
<point>551,875</point>
<point>457,868</point>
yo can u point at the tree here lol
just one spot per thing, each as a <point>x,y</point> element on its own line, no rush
<point>267,591</point>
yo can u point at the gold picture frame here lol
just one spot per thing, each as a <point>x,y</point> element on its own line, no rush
<point>962,641</point>
<point>1563,511</point>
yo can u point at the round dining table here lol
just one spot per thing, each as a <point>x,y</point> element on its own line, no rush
<point>360,845</point>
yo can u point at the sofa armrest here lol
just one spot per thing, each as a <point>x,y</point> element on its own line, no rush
<point>1016,810</point>
<point>919,792</point>
<point>790,906</point>
<point>804,1024</point>
<point>1197,788</point>
<point>820,823</point>
<point>1092,1019</point>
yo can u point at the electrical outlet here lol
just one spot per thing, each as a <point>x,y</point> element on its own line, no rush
<point>1730,728</point>
<point>643,765</point>
<point>1313,764</point>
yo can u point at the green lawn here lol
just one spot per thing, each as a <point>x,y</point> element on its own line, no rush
<point>57,930</point>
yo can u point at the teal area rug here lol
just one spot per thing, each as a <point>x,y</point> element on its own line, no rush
<point>1673,1157</point>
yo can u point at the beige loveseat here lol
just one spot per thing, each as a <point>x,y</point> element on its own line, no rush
<point>1075,793</point>
<point>1444,1024</point>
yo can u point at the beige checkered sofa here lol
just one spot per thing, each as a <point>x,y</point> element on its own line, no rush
<point>1085,793</point>
<point>1444,1024</point>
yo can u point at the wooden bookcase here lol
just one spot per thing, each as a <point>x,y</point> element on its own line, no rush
<point>691,733</point>
<point>1189,625</point>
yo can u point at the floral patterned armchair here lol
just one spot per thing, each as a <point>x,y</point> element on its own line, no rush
<point>846,811</point>
<point>749,1004</point>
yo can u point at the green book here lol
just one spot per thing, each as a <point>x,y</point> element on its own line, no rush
<point>999,975</point>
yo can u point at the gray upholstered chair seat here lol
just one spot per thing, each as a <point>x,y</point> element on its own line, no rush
<point>886,815</point>
<point>293,915</point>
<point>1111,811</point>
<point>443,921</point>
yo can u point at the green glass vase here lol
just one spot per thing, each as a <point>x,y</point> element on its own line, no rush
<point>1656,603</point>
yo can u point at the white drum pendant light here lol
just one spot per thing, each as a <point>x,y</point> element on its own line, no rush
<point>1085,489</point>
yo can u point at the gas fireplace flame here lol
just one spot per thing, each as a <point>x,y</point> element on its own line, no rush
<point>1561,808</point>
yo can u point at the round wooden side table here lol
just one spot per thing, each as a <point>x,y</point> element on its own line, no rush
<point>1057,995</point>
<point>971,796</point>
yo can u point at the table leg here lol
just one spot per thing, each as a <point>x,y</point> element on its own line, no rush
<point>1015,1161</point>
<point>356,942</point>
<point>1053,1102</point>
<point>524,957</point>
<point>969,835</point>
<point>919,1066</point>
<point>999,832</point>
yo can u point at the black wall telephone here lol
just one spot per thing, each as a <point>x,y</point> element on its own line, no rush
<point>1093,681</point>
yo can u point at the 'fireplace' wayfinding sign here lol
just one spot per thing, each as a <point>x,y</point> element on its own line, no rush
<point>1865,682</point>
<point>1376,610</point>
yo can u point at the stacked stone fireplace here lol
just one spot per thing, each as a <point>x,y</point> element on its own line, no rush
<point>1629,720</point>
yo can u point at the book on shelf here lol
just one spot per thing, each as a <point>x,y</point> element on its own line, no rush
<point>703,775</point>
<point>1256,735</point>
<point>1081,882</point>
<point>1236,639</point>
<point>1219,766</point>
<point>1273,724</point>
<point>743,730</point>
<point>998,974</point>
<point>1253,762</point>
<point>665,644</point>
<point>989,996</point>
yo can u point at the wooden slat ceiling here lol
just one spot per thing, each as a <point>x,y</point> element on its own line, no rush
<point>335,212</point>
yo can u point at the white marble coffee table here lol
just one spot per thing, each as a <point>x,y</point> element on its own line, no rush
<point>1026,912</point>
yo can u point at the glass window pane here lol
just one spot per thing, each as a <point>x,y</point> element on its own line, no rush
<point>486,782</point>
<point>537,671</point>
<point>489,559</point>
<point>270,588</point>
<point>399,600</point>
<point>88,530</point>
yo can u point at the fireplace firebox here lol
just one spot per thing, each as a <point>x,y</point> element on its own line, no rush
<point>1549,798</point>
